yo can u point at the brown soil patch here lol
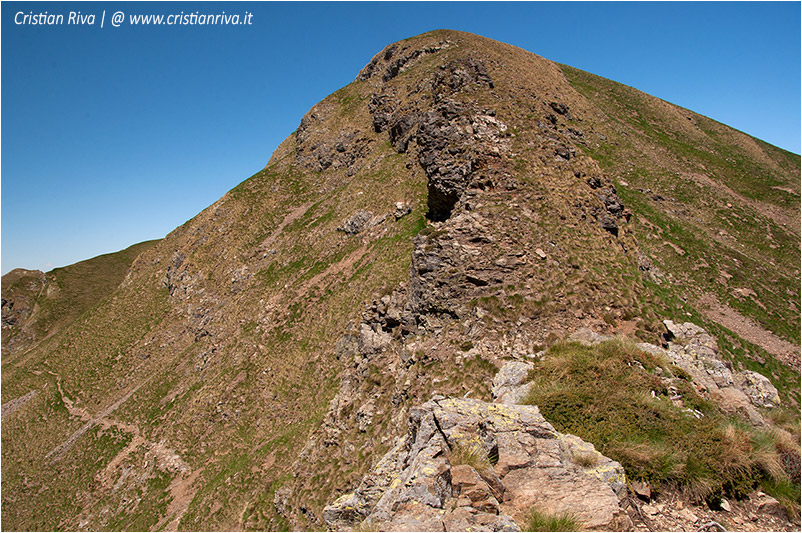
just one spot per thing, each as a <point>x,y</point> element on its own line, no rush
<point>182,491</point>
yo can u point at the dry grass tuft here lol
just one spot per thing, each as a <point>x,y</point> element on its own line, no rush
<point>470,454</point>
<point>610,395</point>
<point>585,459</point>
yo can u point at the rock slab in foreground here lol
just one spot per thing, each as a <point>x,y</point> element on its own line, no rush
<point>415,487</point>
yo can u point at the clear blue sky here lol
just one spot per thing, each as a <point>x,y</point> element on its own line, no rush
<point>113,136</point>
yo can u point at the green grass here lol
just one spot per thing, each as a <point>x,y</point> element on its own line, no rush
<point>758,252</point>
<point>602,394</point>
<point>786,492</point>
<point>642,112</point>
<point>539,520</point>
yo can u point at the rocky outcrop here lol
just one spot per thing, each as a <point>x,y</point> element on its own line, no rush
<point>613,210</point>
<point>459,74</point>
<point>396,60</point>
<point>359,221</point>
<point>449,155</point>
<point>758,387</point>
<point>695,351</point>
<point>344,152</point>
<point>19,305</point>
<point>508,385</point>
<point>517,461</point>
<point>453,139</point>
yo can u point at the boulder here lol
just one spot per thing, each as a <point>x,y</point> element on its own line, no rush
<point>402,209</point>
<point>508,384</point>
<point>758,388</point>
<point>356,222</point>
<point>588,337</point>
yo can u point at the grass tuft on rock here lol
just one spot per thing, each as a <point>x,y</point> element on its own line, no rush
<point>539,520</point>
<point>470,454</point>
<point>585,460</point>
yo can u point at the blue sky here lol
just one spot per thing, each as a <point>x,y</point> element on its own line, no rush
<point>112,136</point>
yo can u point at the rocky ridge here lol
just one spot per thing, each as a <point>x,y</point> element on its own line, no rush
<point>423,483</point>
<point>465,149</point>
<point>453,126</point>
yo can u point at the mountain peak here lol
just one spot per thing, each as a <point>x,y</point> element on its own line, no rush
<point>461,204</point>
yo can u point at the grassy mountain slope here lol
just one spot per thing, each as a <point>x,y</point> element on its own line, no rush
<point>716,209</point>
<point>218,388</point>
<point>709,190</point>
<point>40,304</point>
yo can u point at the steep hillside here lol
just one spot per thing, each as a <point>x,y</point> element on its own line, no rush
<point>723,207</point>
<point>461,204</point>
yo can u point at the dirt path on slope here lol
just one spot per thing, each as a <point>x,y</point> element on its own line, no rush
<point>59,450</point>
<point>181,488</point>
<point>731,319</point>
<point>783,218</point>
<point>291,217</point>
<point>13,405</point>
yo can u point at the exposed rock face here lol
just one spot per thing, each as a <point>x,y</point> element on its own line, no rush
<point>508,387</point>
<point>356,223</point>
<point>758,387</point>
<point>695,351</point>
<point>454,140</point>
<point>317,151</point>
<point>19,306</point>
<point>446,135</point>
<point>420,486</point>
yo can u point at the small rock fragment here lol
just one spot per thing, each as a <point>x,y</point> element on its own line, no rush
<point>402,209</point>
<point>356,222</point>
<point>641,490</point>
